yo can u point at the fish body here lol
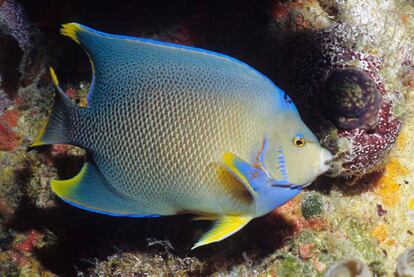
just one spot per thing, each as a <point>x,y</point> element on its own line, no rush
<point>172,129</point>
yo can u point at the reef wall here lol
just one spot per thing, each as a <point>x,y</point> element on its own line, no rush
<point>347,64</point>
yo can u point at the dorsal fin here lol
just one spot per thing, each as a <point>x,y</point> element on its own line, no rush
<point>55,128</point>
<point>90,41</point>
<point>124,62</point>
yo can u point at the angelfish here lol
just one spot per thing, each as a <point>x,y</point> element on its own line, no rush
<point>172,129</point>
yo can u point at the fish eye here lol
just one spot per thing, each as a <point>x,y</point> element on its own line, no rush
<point>299,141</point>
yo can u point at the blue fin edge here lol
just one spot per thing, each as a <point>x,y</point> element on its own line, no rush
<point>173,45</point>
<point>110,214</point>
<point>194,49</point>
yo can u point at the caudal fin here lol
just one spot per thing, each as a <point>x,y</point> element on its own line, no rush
<point>54,131</point>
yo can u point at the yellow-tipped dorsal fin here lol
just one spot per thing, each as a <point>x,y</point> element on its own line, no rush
<point>71,30</point>
<point>54,77</point>
<point>52,136</point>
<point>224,227</point>
<point>55,80</point>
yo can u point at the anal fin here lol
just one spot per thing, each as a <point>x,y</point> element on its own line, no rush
<point>224,227</point>
<point>89,190</point>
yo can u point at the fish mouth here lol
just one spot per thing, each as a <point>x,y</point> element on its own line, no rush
<point>325,161</point>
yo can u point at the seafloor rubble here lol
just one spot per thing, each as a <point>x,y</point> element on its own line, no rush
<point>347,64</point>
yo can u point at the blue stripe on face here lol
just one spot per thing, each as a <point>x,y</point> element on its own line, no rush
<point>300,136</point>
<point>282,166</point>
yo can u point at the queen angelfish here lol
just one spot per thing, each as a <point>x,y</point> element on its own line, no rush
<point>172,129</point>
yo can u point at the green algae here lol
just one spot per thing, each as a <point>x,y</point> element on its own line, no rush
<point>7,267</point>
<point>289,266</point>
<point>312,205</point>
<point>358,233</point>
<point>151,264</point>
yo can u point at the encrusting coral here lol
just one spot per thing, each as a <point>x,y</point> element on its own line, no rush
<point>343,58</point>
<point>352,99</point>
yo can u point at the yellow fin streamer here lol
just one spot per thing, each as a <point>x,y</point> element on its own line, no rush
<point>223,228</point>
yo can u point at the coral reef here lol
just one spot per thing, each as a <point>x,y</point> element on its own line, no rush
<point>14,23</point>
<point>4,102</point>
<point>347,64</point>
<point>149,264</point>
<point>352,99</point>
<point>342,55</point>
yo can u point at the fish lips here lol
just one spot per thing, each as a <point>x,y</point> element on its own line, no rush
<point>325,161</point>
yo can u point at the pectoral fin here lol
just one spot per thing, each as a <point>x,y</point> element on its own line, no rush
<point>251,177</point>
<point>224,227</point>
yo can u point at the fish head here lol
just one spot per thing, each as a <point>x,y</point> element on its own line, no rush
<point>294,154</point>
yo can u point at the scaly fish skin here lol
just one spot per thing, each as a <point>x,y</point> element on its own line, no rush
<point>172,129</point>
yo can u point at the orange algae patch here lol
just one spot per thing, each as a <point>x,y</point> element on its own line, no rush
<point>380,232</point>
<point>10,117</point>
<point>401,141</point>
<point>411,204</point>
<point>404,19</point>
<point>291,208</point>
<point>9,140</point>
<point>388,189</point>
<point>395,169</point>
<point>316,224</point>
<point>306,250</point>
<point>290,211</point>
<point>390,242</point>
